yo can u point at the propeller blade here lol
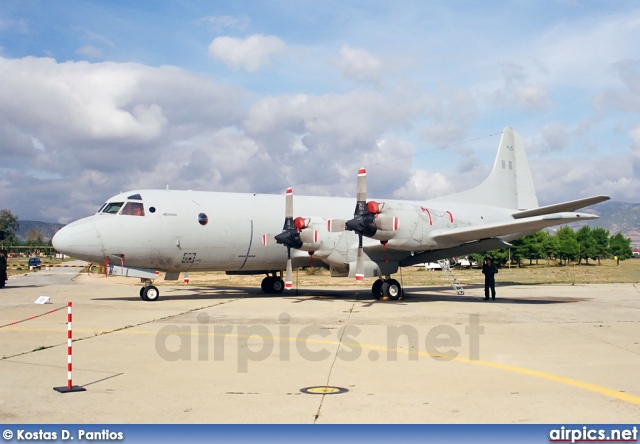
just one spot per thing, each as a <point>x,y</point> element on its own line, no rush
<point>268,240</point>
<point>360,262</point>
<point>336,225</point>
<point>387,223</point>
<point>288,212</point>
<point>361,195</point>
<point>309,236</point>
<point>288,283</point>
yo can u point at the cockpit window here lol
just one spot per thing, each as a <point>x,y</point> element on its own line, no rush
<point>112,207</point>
<point>133,209</point>
<point>135,197</point>
<point>102,207</point>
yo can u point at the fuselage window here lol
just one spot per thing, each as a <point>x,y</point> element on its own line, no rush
<point>112,207</point>
<point>133,209</point>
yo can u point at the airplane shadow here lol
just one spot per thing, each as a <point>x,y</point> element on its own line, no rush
<point>21,286</point>
<point>363,295</point>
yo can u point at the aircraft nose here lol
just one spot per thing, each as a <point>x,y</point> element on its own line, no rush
<point>79,240</point>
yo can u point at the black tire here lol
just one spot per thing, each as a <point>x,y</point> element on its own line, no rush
<point>150,293</point>
<point>376,289</point>
<point>266,284</point>
<point>277,286</point>
<point>142,294</point>
<point>392,289</point>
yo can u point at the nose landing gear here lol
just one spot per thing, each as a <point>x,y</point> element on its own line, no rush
<point>149,293</point>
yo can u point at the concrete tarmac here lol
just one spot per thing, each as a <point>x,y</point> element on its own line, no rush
<point>538,354</point>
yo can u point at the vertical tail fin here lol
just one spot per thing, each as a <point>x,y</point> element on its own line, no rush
<point>510,184</point>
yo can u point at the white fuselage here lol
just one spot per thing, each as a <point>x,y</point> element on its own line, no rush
<point>169,237</point>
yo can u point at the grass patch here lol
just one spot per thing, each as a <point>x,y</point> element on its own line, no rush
<point>606,273</point>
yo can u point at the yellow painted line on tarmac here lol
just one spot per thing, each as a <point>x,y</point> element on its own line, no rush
<point>605,391</point>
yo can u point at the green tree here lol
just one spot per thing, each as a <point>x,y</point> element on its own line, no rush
<point>550,246</point>
<point>34,237</point>
<point>568,247</point>
<point>10,226</point>
<point>34,240</point>
<point>517,252</point>
<point>500,257</point>
<point>532,246</point>
<point>601,238</point>
<point>587,244</point>
<point>620,247</point>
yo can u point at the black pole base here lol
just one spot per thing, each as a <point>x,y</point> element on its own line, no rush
<point>66,389</point>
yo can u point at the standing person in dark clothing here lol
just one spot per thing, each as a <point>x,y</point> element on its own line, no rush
<point>3,268</point>
<point>489,269</point>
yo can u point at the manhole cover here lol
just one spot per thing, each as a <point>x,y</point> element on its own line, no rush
<point>324,390</point>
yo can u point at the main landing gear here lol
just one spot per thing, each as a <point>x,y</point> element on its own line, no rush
<point>149,293</point>
<point>272,284</point>
<point>387,289</point>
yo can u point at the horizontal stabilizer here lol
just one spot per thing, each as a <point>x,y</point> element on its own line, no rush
<point>572,205</point>
<point>466,234</point>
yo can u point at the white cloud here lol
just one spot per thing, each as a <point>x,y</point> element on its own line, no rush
<point>557,179</point>
<point>90,51</point>
<point>359,64</point>
<point>19,25</point>
<point>219,23</point>
<point>100,128</point>
<point>518,92</point>
<point>423,185</point>
<point>555,137</point>
<point>251,54</point>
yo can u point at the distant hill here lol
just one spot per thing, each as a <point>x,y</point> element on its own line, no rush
<point>47,229</point>
<point>614,216</point>
<point>618,217</point>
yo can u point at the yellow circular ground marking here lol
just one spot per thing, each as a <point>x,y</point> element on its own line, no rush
<point>324,390</point>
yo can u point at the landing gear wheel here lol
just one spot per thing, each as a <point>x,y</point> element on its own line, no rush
<point>376,289</point>
<point>142,293</point>
<point>150,293</point>
<point>277,286</point>
<point>266,284</point>
<point>272,285</point>
<point>392,289</point>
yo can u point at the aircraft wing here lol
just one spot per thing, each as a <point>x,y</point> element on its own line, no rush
<point>466,234</point>
<point>572,205</point>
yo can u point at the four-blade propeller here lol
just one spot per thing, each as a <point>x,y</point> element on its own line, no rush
<point>366,221</point>
<point>292,236</point>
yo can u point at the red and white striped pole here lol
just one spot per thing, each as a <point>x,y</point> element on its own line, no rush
<point>70,387</point>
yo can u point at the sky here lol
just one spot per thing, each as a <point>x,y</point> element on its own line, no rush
<point>97,98</point>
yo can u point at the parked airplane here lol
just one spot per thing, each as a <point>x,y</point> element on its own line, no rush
<point>138,232</point>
